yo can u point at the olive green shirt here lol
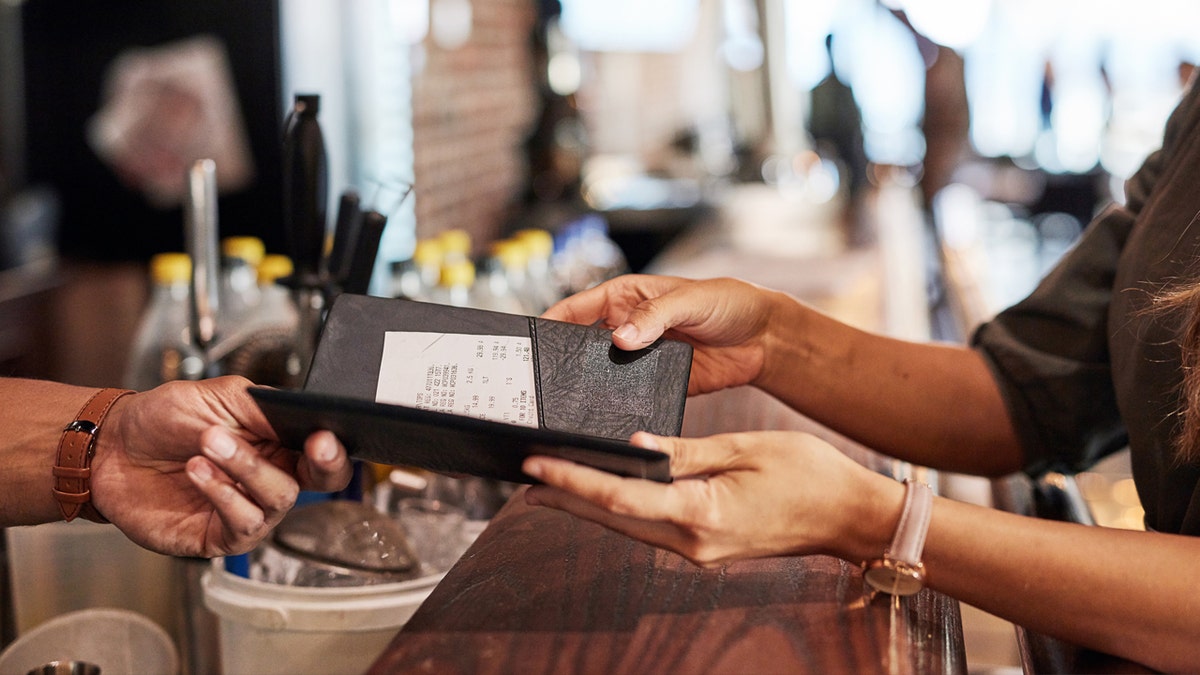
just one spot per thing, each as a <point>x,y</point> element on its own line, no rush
<point>1082,363</point>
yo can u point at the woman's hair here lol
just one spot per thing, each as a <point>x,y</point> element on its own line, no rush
<point>1186,300</point>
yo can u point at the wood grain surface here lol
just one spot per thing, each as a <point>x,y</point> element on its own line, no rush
<point>544,592</point>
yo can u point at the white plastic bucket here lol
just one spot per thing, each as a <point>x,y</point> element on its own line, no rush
<point>118,641</point>
<point>273,629</point>
<point>47,561</point>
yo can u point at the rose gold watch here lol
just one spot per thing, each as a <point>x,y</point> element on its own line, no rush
<point>900,570</point>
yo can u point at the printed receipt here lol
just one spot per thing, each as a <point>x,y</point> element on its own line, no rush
<point>483,376</point>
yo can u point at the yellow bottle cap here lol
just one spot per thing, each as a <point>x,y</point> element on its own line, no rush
<point>171,268</point>
<point>540,242</point>
<point>428,252</point>
<point>512,253</point>
<point>456,243</point>
<point>458,273</point>
<point>274,266</point>
<point>250,249</point>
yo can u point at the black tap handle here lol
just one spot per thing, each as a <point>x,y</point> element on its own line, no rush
<point>358,277</point>
<point>345,236</point>
<point>305,188</point>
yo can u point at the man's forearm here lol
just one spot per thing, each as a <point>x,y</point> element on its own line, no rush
<point>33,414</point>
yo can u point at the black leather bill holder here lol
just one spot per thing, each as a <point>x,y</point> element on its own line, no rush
<point>590,396</point>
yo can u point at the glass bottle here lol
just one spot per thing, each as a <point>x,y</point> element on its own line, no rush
<point>543,287</point>
<point>456,244</point>
<point>239,291</point>
<point>502,285</point>
<point>456,284</point>
<point>276,308</point>
<point>416,277</point>
<point>163,349</point>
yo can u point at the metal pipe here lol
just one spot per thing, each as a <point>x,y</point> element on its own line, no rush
<point>200,230</point>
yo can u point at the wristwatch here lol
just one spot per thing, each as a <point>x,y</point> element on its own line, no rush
<point>73,463</point>
<point>900,570</point>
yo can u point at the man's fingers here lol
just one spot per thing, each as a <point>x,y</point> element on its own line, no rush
<point>325,466</point>
<point>264,487</point>
<point>241,522</point>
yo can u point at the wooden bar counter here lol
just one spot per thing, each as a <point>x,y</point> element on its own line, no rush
<point>541,591</point>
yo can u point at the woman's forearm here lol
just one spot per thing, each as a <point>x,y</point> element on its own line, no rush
<point>931,404</point>
<point>1076,582</point>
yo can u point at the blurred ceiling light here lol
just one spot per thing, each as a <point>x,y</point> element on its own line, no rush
<point>564,73</point>
<point>743,48</point>
<point>1004,76</point>
<point>1079,96</point>
<point>630,25</point>
<point>450,23</point>
<point>743,52</point>
<point>950,23</point>
<point>410,19</point>
<point>807,24</point>
<point>886,72</point>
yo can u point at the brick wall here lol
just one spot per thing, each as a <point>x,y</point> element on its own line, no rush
<point>472,108</point>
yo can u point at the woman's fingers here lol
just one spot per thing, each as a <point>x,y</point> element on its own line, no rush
<point>621,496</point>
<point>733,496</point>
<point>585,307</point>
<point>612,301</point>
<point>692,456</point>
<point>634,507</point>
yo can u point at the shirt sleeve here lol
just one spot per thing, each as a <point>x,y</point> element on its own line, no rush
<point>1049,356</point>
<point>1049,353</point>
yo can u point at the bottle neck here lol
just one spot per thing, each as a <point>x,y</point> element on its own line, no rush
<point>176,291</point>
<point>458,295</point>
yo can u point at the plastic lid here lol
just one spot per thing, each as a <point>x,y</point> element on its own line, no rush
<point>456,242</point>
<point>283,614</point>
<point>250,249</point>
<point>512,253</point>
<point>428,252</point>
<point>122,640</point>
<point>274,267</point>
<point>458,273</point>
<point>346,533</point>
<point>540,242</point>
<point>171,268</point>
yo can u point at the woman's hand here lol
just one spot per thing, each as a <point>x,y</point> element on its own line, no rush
<point>727,321</point>
<point>194,469</point>
<point>734,496</point>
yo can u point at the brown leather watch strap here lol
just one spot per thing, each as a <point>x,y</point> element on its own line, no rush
<point>73,465</point>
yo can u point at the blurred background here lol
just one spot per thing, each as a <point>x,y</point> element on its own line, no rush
<point>511,114</point>
<point>908,165</point>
